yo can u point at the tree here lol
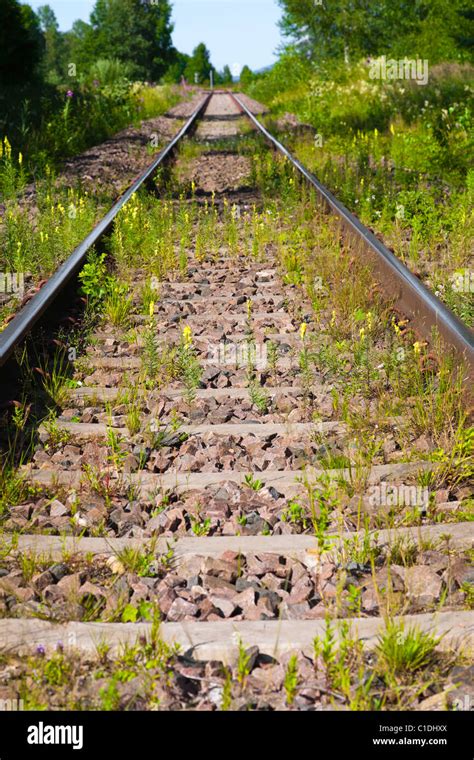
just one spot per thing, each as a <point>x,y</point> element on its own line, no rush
<point>177,68</point>
<point>226,75</point>
<point>351,29</point>
<point>333,29</point>
<point>21,43</point>
<point>246,76</point>
<point>444,31</point>
<point>348,29</point>
<point>137,32</point>
<point>464,37</point>
<point>53,61</point>
<point>81,47</point>
<point>199,65</point>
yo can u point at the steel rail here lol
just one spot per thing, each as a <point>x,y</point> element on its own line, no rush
<point>412,296</point>
<point>23,322</point>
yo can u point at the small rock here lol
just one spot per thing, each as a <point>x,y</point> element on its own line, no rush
<point>41,580</point>
<point>423,585</point>
<point>225,569</point>
<point>115,566</point>
<point>301,591</point>
<point>181,609</point>
<point>458,574</point>
<point>57,509</point>
<point>130,464</point>
<point>71,584</point>
<point>246,602</point>
<point>224,605</point>
<point>215,695</point>
<point>218,586</point>
<point>59,570</point>
<point>437,702</point>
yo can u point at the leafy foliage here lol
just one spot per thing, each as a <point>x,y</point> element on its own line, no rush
<point>350,29</point>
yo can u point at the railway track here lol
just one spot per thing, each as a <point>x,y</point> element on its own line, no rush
<point>276,471</point>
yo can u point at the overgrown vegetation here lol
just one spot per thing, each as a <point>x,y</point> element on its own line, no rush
<point>394,149</point>
<point>61,92</point>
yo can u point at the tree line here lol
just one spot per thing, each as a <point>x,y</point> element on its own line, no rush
<point>134,34</point>
<point>325,30</point>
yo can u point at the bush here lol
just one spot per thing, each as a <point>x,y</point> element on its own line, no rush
<point>57,123</point>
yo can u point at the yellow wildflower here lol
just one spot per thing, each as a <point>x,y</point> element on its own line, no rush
<point>303,329</point>
<point>417,346</point>
<point>20,158</point>
<point>151,308</point>
<point>392,129</point>
<point>187,336</point>
<point>362,333</point>
<point>8,148</point>
<point>398,325</point>
<point>249,308</point>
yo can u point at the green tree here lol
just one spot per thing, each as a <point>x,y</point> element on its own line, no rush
<point>350,29</point>
<point>53,61</point>
<point>81,47</point>
<point>444,31</point>
<point>336,29</point>
<point>226,75</point>
<point>21,43</point>
<point>199,65</point>
<point>177,68</point>
<point>246,76</point>
<point>137,32</point>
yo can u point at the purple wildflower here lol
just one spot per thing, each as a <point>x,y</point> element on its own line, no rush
<point>40,650</point>
<point>69,94</point>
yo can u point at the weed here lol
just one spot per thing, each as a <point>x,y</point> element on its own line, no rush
<point>290,681</point>
<point>254,484</point>
<point>188,365</point>
<point>403,650</point>
<point>243,664</point>
<point>200,527</point>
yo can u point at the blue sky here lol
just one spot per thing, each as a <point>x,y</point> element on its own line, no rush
<point>235,31</point>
